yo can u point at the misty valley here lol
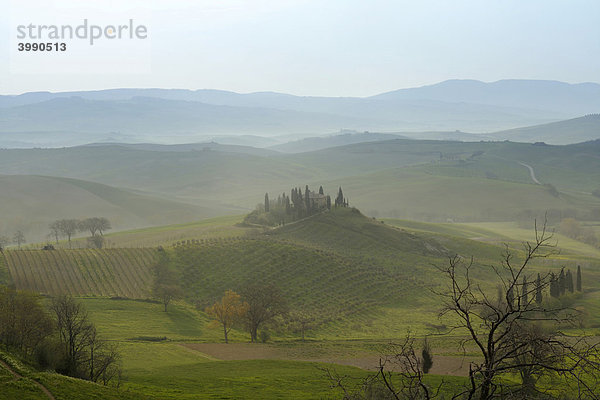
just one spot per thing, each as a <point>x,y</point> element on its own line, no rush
<point>175,244</point>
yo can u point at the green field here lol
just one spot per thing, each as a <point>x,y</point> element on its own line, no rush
<point>221,227</point>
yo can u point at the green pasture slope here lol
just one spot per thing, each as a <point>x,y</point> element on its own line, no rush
<point>168,235</point>
<point>61,387</point>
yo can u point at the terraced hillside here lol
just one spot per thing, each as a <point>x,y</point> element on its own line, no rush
<point>82,272</point>
<point>337,265</point>
<point>310,279</point>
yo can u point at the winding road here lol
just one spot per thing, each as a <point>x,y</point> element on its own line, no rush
<point>531,173</point>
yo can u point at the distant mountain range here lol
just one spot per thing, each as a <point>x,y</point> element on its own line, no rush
<point>183,116</point>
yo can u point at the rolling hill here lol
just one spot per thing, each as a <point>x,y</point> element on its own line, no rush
<point>574,130</point>
<point>563,97</point>
<point>338,266</point>
<point>175,116</point>
<point>324,142</point>
<point>30,203</point>
<point>425,180</point>
<point>19,380</point>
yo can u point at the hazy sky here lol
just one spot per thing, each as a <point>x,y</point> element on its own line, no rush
<point>307,47</point>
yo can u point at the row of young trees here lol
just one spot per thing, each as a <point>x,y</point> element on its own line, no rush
<point>61,338</point>
<point>67,228</point>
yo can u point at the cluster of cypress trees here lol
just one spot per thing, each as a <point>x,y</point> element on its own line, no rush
<point>300,203</point>
<point>559,285</point>
<point>563,282</point>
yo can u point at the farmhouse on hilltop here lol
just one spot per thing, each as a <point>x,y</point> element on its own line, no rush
<point>318,201</point>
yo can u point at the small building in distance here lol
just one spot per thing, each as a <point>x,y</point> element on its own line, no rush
<point>318,201</point>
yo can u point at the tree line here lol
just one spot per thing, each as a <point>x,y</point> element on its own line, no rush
<point>67,228</point>
<point>60,337</point>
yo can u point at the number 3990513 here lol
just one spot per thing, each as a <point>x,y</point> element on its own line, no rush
<point>42,46</point>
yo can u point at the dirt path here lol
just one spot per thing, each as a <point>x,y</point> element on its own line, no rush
<point>531,172</point>
<point>442,365</point>
<point>19,376</point>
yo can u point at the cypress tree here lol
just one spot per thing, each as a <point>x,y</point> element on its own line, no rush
<point>266,202</point>
<point>562,282</point>
<point>579,278</point>
<point>538,290</point>
<point>554,288</point>
<point>339,200</point>
<point>569,278</point>
<point>426,356</point>
<point>307,201</point>
<point>525,295</point>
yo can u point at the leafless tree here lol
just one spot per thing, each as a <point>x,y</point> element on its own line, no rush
<point>85,354</point>
<point>166,286</point>
<point>4,241</point>
<point>301,321</point>
<point>95,225</point>
<point>406,382</point>
<point>55,230</point>
<point>67,228</point>
<point>103,360</point>
<point>19,238</point>
<point>265,302</point>
<point>75,332</point>
<point>400,376</point>
<point>514,334</point>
